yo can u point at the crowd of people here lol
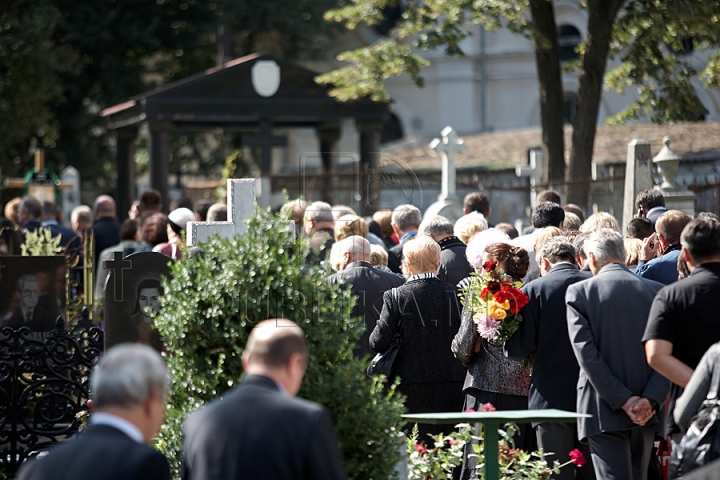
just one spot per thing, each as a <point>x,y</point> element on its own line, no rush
<point>616,323</point>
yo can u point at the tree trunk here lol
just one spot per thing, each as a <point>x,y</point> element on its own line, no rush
<point>547,59</point>
<point>602,14</point>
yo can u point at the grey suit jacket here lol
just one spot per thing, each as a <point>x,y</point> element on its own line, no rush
<point>606,318</point>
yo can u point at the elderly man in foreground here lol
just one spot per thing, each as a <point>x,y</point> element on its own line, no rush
<point>606,318</point>
<point>259,429</point>
<point>128,391</point>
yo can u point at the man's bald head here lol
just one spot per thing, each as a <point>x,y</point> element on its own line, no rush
<point>273,342</point>
<point>104,206</point>
<point>354,249</point>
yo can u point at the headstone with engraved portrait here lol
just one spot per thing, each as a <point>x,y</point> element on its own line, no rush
<point>132,298</point>
<point>32,292</point>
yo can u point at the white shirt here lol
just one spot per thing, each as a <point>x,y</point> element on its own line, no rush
<point>125,426</point>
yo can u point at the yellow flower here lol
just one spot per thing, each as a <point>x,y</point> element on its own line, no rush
<point>499,313</point>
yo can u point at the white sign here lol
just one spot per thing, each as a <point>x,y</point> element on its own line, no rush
<point>266,77</point>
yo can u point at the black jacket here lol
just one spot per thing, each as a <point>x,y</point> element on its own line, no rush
<point>368,285</point>
<point>430,311</point>
<point>454,266</point>
<point>101,453</point>
<point>256,431</point>
<point>395,254</point>
<point>543,336</point>
<point>107,234</point>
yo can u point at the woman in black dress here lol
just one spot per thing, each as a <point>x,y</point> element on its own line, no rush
<point>429,316</point>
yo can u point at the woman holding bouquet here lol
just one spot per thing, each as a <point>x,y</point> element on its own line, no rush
<point>492,300</point>
<point>427,317</point>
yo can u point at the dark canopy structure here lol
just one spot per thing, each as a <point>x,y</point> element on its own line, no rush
<point>252,94</point>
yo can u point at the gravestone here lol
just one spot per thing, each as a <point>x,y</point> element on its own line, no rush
<point>638,176</point>
<point>32,292</point>
<point>70,178</point>
<point>132,293</point>
<point>448,205</point>
<point>240,207</point>
<point>533,171</point>
<point>667,162</point>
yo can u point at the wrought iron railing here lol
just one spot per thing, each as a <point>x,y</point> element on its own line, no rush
<point>43,387</point>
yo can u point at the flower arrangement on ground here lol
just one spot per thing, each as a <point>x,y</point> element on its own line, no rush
<point>437,459</point>
<point>495,300</point>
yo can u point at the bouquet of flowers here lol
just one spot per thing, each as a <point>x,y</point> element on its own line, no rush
<point>495,302</point>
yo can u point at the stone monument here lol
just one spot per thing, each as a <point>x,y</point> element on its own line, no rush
<point>240,207</point>
<point>667,162</point>
<point>533,171</point>
<point>638,177</point>
<point>448,205</point>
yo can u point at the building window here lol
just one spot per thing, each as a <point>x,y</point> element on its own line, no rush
<point>568,38</point>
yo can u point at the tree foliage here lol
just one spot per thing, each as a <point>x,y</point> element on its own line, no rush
<point>646,34</point>
<point>663,46</point>
<point>213,301</point>
<point>62,61</point>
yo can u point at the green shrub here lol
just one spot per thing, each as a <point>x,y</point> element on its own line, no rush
<point>213,301</point>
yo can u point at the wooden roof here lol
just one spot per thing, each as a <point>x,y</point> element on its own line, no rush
<point>225,96</point>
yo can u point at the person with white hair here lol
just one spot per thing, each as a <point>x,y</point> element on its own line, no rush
<point>606,317</point>
<point>427,317</point>
<point>405,221</point>
<point>468,225</point>
<point>128,390</point>
<point>319,226</point>
<point>81,218</point>
<point>178,220</point>
<point>366,283</point>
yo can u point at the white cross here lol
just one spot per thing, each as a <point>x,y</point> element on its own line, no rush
<point>240,207</point>
<point>448,145</point>
<point>534,171</point>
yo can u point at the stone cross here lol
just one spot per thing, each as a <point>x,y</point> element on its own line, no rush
<point>240,207</point>
<point>116,267</point>
<point>533,171</point>
<point>638,176</point>
<point>448,146</point>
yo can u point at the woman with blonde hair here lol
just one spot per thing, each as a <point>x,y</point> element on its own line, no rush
<point>468,225</point>
<point>599,220</point>
<point>427,316</point>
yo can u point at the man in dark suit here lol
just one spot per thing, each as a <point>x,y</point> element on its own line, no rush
<point>106,227</point>
<point>29,213</point>
<point>259,430</point>
<point>454,266</point>
<point>543,337</point>
<point>319,225</point>
<point>367,283</point>
<point>50,219</point>
<point>128,403</point>
<point>32,312</point>
<point>606,320</point>
<point>405,221</point>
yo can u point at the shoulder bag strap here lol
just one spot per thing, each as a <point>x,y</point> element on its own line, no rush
<point>396,305</point>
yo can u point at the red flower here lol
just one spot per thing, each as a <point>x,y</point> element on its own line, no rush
<point>515,298</point>
<point>469,410</point>
<point>488,407</point>
<point>577,457</point>
<point>420,448</point>
<point>494,287</point>
<point>490,265</point>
